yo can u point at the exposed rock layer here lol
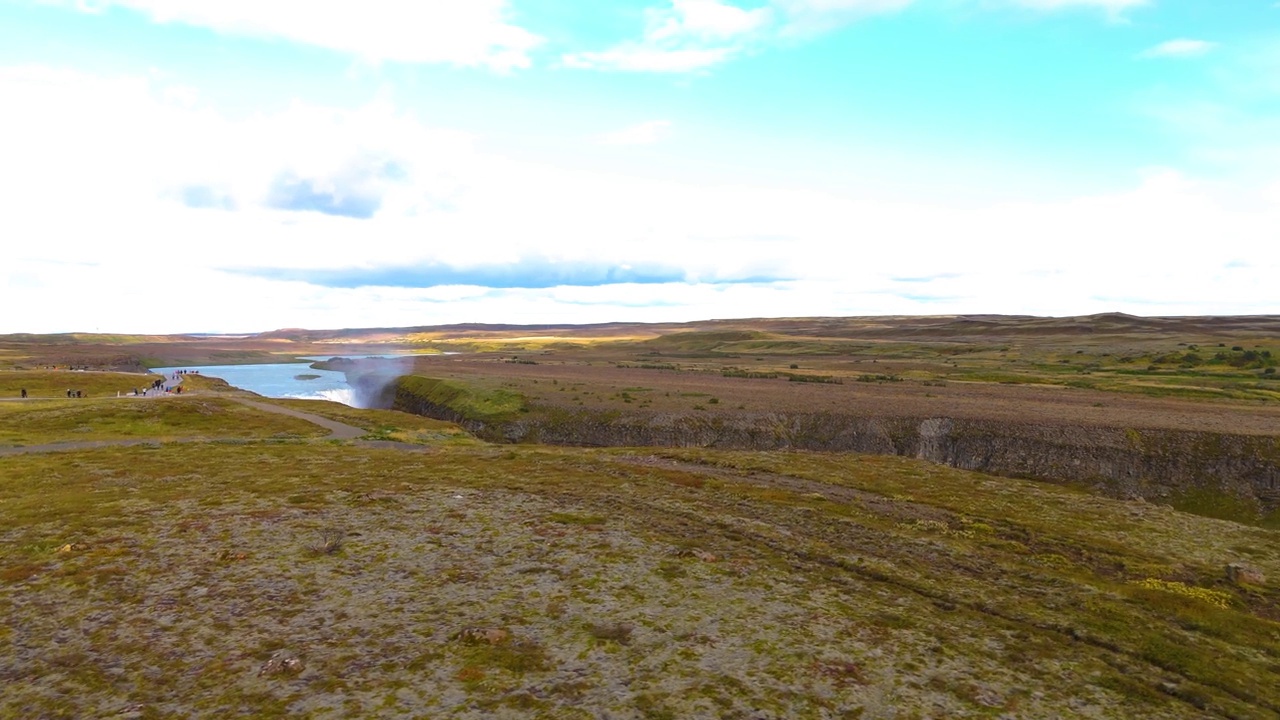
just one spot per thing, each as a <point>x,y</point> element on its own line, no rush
<point>1149,463</point>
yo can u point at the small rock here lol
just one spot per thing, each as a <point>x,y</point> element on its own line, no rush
<point>1240,574</point>
<point>987,697</point>
<point>281,662</point>
<point>705,556</point>
<point>481,635</point>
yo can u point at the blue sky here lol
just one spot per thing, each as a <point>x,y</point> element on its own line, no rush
<point>337,164</point>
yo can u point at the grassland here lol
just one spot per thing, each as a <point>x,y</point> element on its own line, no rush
<point>56,383</point>
<point>1229,360</point>
<point>271,571</point>
<point>534,582</point>
<point>167,418</point>
<point>385,424</point>
<point>476,403</point>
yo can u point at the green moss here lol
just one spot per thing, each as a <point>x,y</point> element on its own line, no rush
<point>576,519</point>
<point>470,402</point>
<point>516,657</point>
<point>1218,504</point>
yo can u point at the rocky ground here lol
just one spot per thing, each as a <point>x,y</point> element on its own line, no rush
<point>322,579</point>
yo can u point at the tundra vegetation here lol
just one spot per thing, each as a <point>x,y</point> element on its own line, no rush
<point>243,563</point>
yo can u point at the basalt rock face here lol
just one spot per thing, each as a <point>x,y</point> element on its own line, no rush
<point>406,400</point>
<point>1130,463</point>
<point>1152,464</point>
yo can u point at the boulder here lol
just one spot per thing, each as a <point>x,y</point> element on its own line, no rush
<point>1240,574</point>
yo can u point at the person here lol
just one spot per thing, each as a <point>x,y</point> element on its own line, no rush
<point>24,392</point>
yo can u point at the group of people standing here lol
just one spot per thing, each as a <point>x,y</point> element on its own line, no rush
<point>158,384</point>
<point>147,391</point>
<point>70,393</point>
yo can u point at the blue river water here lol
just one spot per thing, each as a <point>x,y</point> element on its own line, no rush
<point>280,380</point>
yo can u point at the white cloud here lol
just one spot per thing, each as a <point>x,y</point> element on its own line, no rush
<point>805,16</point>
<point>97,170</point>
<point>691,35</point>
<point>468,32</point>
<point>1181,47</point>
<point>645,133</point>
<point>1112,7</point>
<point>1230,125</point>
<point>706,19</point>
<point>631,57</point>
<point>688,35</point>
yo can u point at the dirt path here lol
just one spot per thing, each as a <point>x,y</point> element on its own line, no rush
<point>337,430</point>
<point>89,445</point>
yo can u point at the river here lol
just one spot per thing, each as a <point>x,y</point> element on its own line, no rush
<point>285,380</point>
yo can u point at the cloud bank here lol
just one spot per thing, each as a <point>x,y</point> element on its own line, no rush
<point>471,33</point>
<point>128,208</point>
<point>682,36</point>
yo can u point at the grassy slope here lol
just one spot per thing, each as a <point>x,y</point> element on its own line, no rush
<point>53,421</point>
<point>483,581</point>
<point>55,383</point>
<point>384,424</point>
<point>468,400</point>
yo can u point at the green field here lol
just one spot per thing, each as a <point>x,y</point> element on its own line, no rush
<point>243,563</point>
<point>56,383</point>
<point>322,579</point>
<point>187,417</point>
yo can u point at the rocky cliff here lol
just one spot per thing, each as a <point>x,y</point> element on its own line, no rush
<point>1154,464</point>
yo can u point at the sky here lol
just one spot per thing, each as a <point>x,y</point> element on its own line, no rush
<point>172,166</point>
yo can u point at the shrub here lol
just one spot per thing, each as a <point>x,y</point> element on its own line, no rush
<point>829,379</point>
<point>330,543</point>
<point>616,632</point>
<point>565,518</point>
<point>734,372</point>
<point>878,378</point>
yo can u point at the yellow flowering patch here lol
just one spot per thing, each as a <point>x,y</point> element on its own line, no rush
<point>1217,598</point>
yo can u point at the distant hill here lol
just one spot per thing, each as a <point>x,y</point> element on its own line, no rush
<point>876,327</point>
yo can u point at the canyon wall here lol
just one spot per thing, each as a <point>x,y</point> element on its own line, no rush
<point>1122,462</point>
